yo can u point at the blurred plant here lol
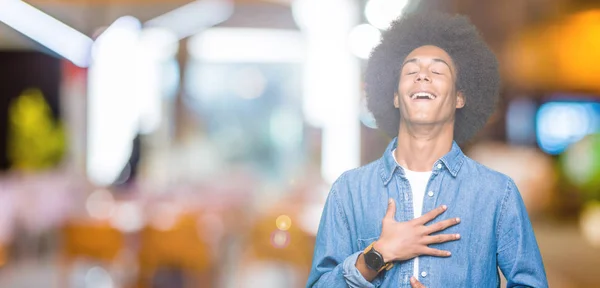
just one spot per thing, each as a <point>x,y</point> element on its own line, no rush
<point>581,166</point>
<point>35,140</point>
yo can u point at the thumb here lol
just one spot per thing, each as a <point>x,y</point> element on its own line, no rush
<point>414,283</point>
<point>391,209</point>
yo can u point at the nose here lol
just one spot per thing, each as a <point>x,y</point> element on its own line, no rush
<point>422,76</point>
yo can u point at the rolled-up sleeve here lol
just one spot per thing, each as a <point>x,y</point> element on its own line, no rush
<point>334,259</point>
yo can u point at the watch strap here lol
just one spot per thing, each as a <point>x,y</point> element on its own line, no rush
<point>387,265</point>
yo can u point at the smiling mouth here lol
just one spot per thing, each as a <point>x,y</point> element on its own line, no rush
<point>422,96</point>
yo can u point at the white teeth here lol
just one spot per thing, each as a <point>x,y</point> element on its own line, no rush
<point>422,94</point>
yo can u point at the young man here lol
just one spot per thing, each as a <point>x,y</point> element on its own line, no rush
<point>425,215</point>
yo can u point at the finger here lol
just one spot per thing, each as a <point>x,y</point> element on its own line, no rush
<point>442,225</point>
<point>435,252</point>
<point>391,209</point>
<point>414,283</point>
<point>441,238</point>
<point>431,215</point>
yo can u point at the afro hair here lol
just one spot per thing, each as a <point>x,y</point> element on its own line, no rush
<point>478,76</point>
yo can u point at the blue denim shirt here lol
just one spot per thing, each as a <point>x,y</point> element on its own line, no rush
<point>495,228</point>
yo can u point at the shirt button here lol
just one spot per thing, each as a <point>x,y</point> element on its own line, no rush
<point>423,274</point>
<point>430,194</point>
<point>439,166</point>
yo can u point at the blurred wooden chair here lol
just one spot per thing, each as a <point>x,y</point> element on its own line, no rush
<point>95,241</point>
<point>276,241</point>
<point>3,255</point>
<point>177,248</point>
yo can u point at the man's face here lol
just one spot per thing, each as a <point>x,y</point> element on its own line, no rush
<point>426,90</point>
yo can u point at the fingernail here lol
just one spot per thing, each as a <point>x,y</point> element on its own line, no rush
<point>457,236</point>
<point>412,280</point>
<point>444,207</point>
<point>457,220</point>
<point>390,201</point>
<point>448,253</point>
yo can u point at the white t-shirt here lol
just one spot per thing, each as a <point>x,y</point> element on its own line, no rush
<point>418,184</point>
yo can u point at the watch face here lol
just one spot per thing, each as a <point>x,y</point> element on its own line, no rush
<point>374,260</point>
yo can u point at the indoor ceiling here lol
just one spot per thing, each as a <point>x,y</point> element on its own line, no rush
<point>87,16</point>
<point>498,20</point>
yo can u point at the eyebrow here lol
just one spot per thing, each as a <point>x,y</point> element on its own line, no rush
<point>414,60</point>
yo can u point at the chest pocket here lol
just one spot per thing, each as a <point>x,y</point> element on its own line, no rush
<point>364,243</point>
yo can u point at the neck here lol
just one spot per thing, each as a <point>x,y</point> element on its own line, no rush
<point>420,146</point>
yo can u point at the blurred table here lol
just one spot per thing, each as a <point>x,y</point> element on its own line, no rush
<point>569,260</point>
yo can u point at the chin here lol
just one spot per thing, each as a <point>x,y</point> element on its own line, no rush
<point>421,120</point>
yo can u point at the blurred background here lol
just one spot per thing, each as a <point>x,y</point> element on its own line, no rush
<point>155,143</point>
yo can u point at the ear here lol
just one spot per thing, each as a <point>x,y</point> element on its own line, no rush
<point>460,100</point>
<point>396,100</point>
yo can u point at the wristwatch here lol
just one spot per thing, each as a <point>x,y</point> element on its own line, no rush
<point>374,259</point>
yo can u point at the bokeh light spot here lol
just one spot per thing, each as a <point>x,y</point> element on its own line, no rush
<point>100,204</point>
<point>280,239</point>
<point>283,222</point>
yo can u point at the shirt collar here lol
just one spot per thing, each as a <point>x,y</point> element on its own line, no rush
<point>452,161</point>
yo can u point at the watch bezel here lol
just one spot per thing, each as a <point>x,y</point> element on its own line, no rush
<point>374,260</point>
